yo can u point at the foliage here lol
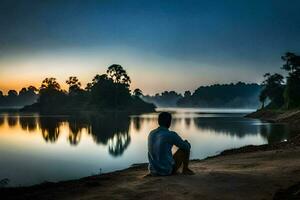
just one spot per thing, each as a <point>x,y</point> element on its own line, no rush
<point>137,92</point>
<point>26,96</point>
<point>292,90</point>
<point>118,74</point>
<point>222,95</point>
<point>165,99</point>
<point>280,95</point>
<point>74,85</point>
<point>273,90</point>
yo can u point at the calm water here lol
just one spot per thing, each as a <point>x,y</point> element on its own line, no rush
<point>37,148</point>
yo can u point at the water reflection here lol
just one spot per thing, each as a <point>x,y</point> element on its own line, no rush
<point>49,128</point>
<point>36,148</point>
<point>28,123</point>
<point>113,130</point>
<point>12,120</point>
<point>235,127</point>
<point>275,132</point>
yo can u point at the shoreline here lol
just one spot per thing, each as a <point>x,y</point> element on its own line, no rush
<point>230,166</point>
<point>290,117</point>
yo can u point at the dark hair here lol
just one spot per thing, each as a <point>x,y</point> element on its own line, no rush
<point>164,119</point>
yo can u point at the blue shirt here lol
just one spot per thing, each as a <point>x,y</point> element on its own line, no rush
<point>160,143</point>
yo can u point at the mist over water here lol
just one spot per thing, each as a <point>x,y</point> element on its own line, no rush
<point>36,148</point>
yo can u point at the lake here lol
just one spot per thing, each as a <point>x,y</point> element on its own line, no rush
<point>36,148</point>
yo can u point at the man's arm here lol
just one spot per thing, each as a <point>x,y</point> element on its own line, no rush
<point>179,142</point>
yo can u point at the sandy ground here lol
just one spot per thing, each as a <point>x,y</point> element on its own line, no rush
<point>254,175</point>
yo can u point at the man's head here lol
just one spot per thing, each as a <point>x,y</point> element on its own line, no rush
<point>164,119</point>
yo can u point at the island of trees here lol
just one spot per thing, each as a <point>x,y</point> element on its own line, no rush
<point>106,92</point>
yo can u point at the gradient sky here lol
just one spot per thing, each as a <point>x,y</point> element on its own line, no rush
<point>164,45</point>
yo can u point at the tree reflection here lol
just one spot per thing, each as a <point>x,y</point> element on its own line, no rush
<point>12,120</point>
<point>76,125</point>
<point>187,122</point>
<point>227,125</point>
<point>137,122</point>
<point>50,128</point>
<point>28,123</point>
<point>241,127</point>
<point>111,130</point>
<point>2,120</point>
<point>274,133</point>
<point>118,144</point>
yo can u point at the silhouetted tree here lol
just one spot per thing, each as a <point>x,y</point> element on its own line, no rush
<point>51,97</point>
<point>137,92</point>
<point>50,84</point>
<point>74,85</point>
<point>292,90</point>
<point>273,89</point>
<point>12,93</point>
<point>118,74</point>
<point>262,98</point>
<point>187,94</point>
<point>111,90</point>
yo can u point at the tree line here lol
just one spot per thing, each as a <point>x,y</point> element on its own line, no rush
<point>106,92</point>
<point>13,98</point>
<point>279,92</point>
<point>218,95</point>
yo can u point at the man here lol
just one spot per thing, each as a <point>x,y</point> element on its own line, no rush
<point>160,143</point>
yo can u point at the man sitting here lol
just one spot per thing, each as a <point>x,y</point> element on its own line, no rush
<point>160,143</point>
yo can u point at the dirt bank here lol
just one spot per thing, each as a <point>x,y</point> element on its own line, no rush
<point>253,172</point>
<point>291,117</point>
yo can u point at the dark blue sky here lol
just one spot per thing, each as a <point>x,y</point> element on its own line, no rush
<point>206,41</point>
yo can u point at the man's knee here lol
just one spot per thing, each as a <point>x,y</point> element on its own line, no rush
<point>182,152</point>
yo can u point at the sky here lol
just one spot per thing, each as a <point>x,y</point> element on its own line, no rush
<point>163,45</point>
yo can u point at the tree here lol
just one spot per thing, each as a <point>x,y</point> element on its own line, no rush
<point>137,92</point>
<point>12,93</point>
<point>292,62</point>
<point>88,87</point>
<point>23,91</point>
<point>118,74</point>
<point>187,94</point>
<point>31,89</point>
<point>74,85</point>
<point>105,93</point>
<point>291,93</point>
<point>51,97</point>
<point>273,89</point>
<point>262,98</point>
<point>50,84</point>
